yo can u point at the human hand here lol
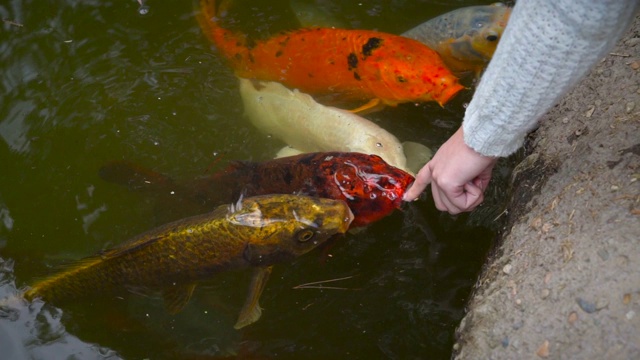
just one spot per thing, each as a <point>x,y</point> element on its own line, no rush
<point>458,176</point>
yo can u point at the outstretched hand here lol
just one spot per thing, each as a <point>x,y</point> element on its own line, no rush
<point>458,176</point>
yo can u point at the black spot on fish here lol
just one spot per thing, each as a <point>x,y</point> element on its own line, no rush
<point>251,58</point>
<point>310,75</point>
<point>352,60</point>
<point>356,76</point>
<point>371,44</point>
<point>284,42</point>
<point>306,160</point>
<point>278,53</point>
<point>250,44</point>
<point>238,56</point>
<point>287,177</point>
<point>401,79</point>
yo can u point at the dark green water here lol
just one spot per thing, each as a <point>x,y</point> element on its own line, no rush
<point>85,82</point>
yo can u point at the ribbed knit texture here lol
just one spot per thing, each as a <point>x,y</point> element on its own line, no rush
<point>547,47</point>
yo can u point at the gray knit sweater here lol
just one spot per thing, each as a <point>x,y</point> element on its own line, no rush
<point>546,48</point>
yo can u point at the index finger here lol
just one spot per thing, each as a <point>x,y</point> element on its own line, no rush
<point>423,178</point>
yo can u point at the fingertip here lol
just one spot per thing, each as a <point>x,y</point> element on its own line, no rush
<point>411,194</point>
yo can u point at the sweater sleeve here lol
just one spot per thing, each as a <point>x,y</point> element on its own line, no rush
<point>546,48</point>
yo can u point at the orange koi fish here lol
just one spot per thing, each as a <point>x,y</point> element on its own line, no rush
<point>351,65</point>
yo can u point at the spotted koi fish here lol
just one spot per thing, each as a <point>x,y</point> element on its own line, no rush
<point>350,65</point>
<point>370,187</point>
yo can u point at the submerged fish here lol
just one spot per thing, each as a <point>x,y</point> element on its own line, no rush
<point>297,119</point>
<point>350,65</point>
<point>371,188</point>
<point>465,38</point>
<point>256,232</point>
<point>312,14</point>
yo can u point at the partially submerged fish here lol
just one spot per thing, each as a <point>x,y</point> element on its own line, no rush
<point>350,65</point>
<point>465,38</point>
<point>312,14</point>
<point>307,126</point>
<point>256,232</point>
<point>371,188</point>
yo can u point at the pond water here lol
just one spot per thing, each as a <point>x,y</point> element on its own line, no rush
<point>87,82</point>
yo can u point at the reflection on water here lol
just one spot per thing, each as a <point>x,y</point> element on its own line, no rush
<point>36,331</point>
<point>87,82</point>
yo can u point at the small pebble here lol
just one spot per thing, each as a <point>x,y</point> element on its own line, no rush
<point>630,315</point>
<point>629,107</point>
<point>586,306</point>
<point>505,342</point>
<point>573,317</point>
<point>517,325</point>
<point>507,269</point>
<point>604,254</point>
<point>626,299</point>
<point>543,350</point>
<point>615,187</point>
<point>547,278</point>
<point>545,293</point>
<point>635,65</point>
<point>589,112</point>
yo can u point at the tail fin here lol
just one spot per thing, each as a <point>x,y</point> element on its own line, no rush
<point>231,45</point>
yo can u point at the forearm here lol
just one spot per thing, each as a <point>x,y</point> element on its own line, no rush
<point>547,47</point>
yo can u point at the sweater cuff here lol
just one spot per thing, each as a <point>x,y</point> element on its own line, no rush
<point>494,141</point>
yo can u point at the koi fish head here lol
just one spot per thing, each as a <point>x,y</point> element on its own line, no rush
<point>490,26</point>
<point>418,75</point>
<point>282,227</point>
<point>482,30</point>
<point>372,188</point>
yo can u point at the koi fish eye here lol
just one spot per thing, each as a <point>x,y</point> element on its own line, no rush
<point>492,37</point>
<point>305,235</point>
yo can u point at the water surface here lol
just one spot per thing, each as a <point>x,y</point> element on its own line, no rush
<point>86,82</point>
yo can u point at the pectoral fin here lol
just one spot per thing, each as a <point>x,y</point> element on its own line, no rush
<point>176,297</point>
<point>251,310</point>
<point>372,106</point>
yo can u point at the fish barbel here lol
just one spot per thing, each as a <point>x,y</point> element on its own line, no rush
<point>465,38</point>
<point>257,232</point>
<point>350,65</point>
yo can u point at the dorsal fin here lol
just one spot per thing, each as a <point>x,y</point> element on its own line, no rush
<point>135,244</point>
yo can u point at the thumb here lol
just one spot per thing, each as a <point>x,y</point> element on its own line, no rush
<point>423,178</point>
